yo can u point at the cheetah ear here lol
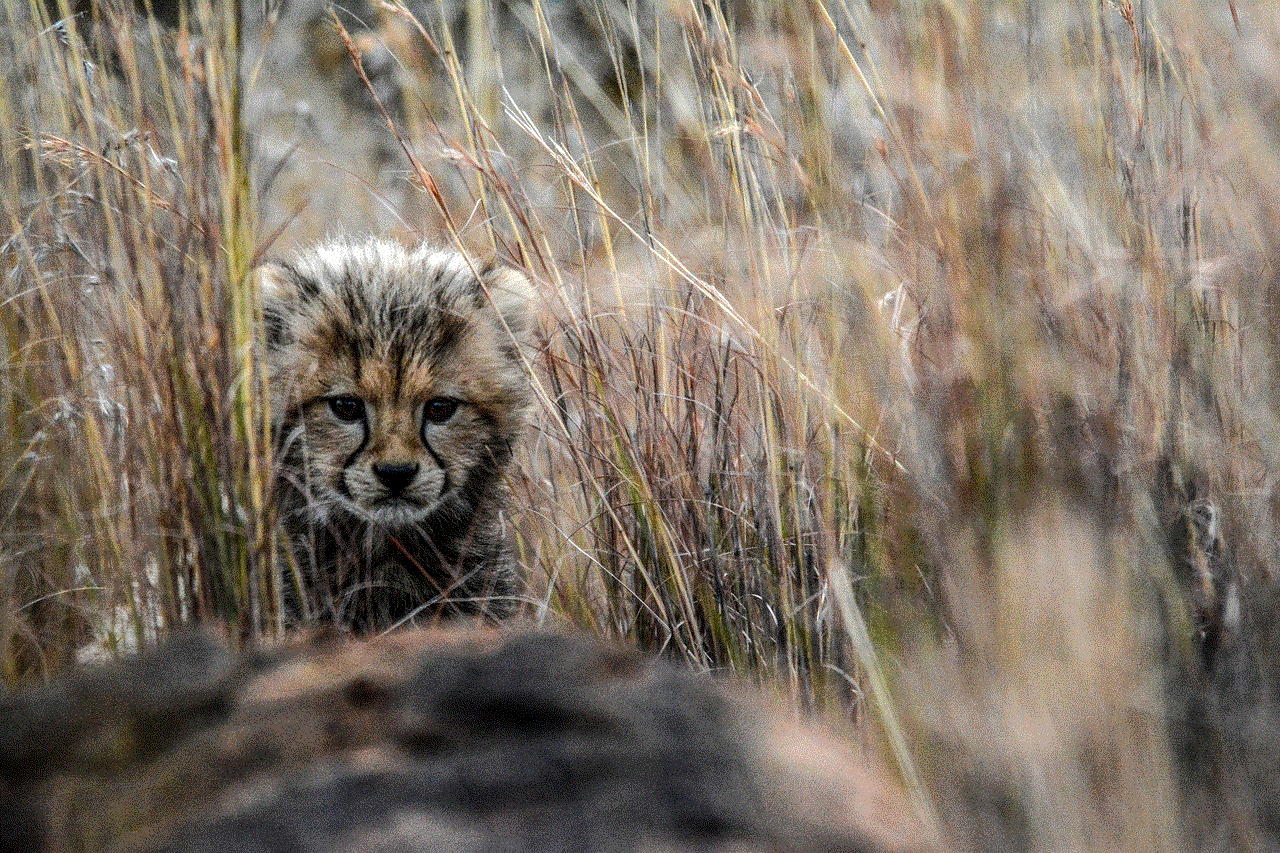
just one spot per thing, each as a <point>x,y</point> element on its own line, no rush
<point>272,281</point>
<point>274,284</point>
<point>511,293</point>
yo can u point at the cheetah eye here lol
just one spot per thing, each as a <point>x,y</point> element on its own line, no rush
<point>347,409</point>
<point>440,409</point>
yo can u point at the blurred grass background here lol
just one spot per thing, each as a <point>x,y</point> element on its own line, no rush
<point>914,358</point>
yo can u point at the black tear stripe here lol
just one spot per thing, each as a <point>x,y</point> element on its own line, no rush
<point>497,453</point>
<point>446,485</point>
<point>341,487</point>
<point>490,422</point>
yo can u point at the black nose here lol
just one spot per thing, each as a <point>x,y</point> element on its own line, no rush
<point>395,475</point>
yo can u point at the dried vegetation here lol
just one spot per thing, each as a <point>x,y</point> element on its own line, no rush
<point>917,358</point>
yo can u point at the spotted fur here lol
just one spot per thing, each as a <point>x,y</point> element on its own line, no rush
<point>398,390</point>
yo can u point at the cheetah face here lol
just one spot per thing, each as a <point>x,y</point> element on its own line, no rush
<point>396,380</point>
<point>388,462</point>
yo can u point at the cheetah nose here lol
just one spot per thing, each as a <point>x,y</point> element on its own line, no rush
<point>395,475</point>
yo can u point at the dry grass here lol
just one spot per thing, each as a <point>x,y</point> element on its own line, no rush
<point>136,481</point>
<point>884,344</point>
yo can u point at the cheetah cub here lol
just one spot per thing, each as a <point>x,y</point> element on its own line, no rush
<point>398,390</point>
